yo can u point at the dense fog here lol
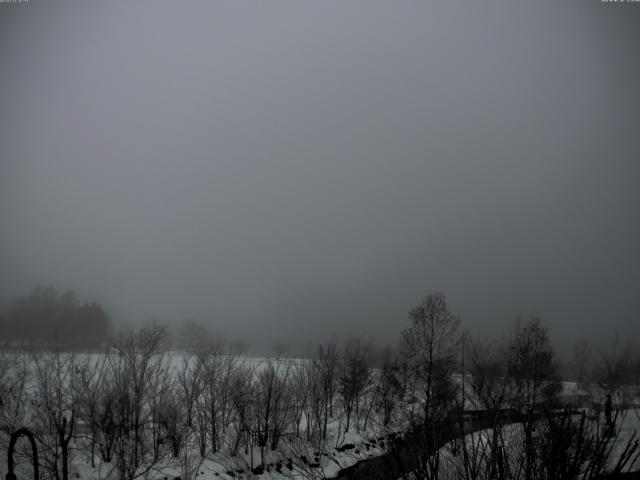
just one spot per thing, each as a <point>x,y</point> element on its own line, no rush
<point>292,172</point>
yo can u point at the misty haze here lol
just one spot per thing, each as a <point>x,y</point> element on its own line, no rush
<point>308,240</point>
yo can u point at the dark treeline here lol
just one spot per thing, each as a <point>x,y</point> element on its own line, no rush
<point>46,318</point>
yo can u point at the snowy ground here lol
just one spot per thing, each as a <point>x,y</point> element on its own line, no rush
<point>479,442</point>
<point>294,458</point>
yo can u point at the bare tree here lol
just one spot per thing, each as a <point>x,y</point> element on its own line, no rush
<point>189,376</point>
<point>489,388</point>
<point>272,400</point>
<point>242,400</point>
<point>15,375</point>
<point>532,369</point>
<point>171,425</point>
<point>328,363</point>
<point>300,386</point>
<point>613,370</point>
<point>56,406</point>
<point>388,387</point>
<point>355,377</point>
<point>430,347</point>
<point>161,410</point>
<point>232,361</point>
<point>131,370</point>
<point>91,372</point>
<point>532,365</point>
<point>212,359</point>
<point>316,406</point>
<point>191,463</point>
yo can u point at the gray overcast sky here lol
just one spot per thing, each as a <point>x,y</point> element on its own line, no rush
<point>294,169</point>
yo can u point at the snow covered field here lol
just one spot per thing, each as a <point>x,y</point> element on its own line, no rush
<point>236,400</point>
<point>300,452</point>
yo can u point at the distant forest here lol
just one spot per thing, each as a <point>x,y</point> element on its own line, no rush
<point>46,317</point>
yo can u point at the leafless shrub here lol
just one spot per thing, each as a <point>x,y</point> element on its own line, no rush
<point>354,379</point>
<point>136,363</point>
<point>56,403</point>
